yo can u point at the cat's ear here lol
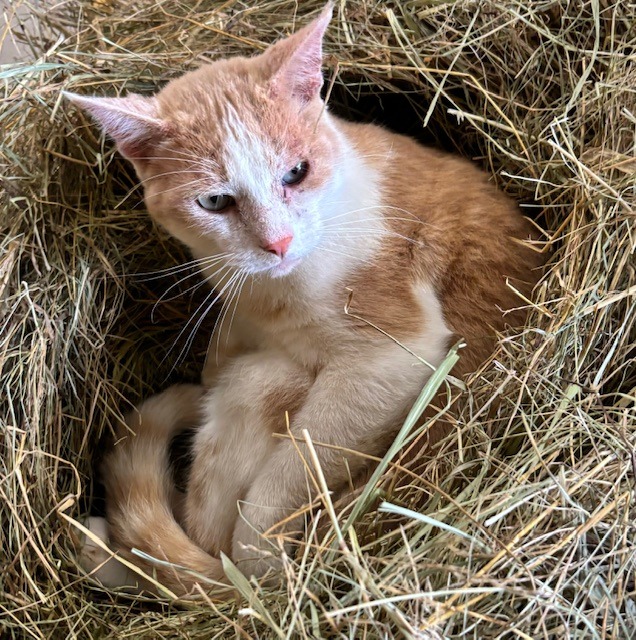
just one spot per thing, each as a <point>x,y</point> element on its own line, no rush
<point>132,122</point>
<point>297,60</point>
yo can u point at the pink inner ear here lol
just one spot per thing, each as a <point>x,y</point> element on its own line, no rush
<point>133,121</point>
<point>299,59</point>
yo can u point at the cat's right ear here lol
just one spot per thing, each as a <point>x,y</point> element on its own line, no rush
<point>132,122</point>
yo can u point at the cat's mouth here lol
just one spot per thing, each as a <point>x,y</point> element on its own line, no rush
<point>284,267</point>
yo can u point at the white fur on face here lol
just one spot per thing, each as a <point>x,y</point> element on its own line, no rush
<point>255,179</point>
<point>262,214</point>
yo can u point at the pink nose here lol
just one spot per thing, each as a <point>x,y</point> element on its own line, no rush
<point>279,247</point>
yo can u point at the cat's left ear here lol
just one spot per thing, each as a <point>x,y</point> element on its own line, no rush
<point>298,60</point>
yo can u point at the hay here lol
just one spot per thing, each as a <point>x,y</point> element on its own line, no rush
<point>529,527</point>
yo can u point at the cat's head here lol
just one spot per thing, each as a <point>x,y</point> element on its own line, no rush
<point>237,157</point>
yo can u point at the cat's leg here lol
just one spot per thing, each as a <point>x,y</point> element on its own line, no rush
<point>355,403</point>
<point>242,412</point>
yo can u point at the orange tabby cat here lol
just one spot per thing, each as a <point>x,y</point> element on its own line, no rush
<point>292,213</point>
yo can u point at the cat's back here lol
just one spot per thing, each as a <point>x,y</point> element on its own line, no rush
<point>451,229</point>
<point>435,186</point>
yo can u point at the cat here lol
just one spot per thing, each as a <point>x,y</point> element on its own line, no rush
<point>351,258</point>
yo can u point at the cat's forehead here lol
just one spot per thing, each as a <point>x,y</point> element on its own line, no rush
<point>215,94</point>
<point>223,105</point>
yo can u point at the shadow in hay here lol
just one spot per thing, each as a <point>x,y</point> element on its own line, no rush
<point>402,111</point>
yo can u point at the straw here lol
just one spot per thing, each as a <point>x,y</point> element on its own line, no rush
<point>521,523</point>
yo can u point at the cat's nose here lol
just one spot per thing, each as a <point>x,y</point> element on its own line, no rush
<point>279,247</point>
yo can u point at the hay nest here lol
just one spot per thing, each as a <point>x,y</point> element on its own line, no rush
<point>529,508</point>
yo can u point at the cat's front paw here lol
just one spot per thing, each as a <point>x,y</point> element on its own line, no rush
<point>100,563</point>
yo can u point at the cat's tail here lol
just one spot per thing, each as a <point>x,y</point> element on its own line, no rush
<point>141,496</point>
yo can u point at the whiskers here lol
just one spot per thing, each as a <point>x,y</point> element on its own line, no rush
<point>228,282</point>
<point>345,230</point>
<point>231,300</point>
<point>191,164</point>
<point>382,209</point>
<point>205,263</point>
<point>201,263</point>
<point>191,327</point>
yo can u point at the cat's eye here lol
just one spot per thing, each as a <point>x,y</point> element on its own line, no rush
<point>215,202</point>
<point>297,173</point>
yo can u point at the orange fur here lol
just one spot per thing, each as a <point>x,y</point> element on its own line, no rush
<point>386,235</point>
<point>466,239</point>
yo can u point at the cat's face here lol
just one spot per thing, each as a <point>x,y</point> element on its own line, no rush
<point>237,158</point>
<point>248,169</point>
